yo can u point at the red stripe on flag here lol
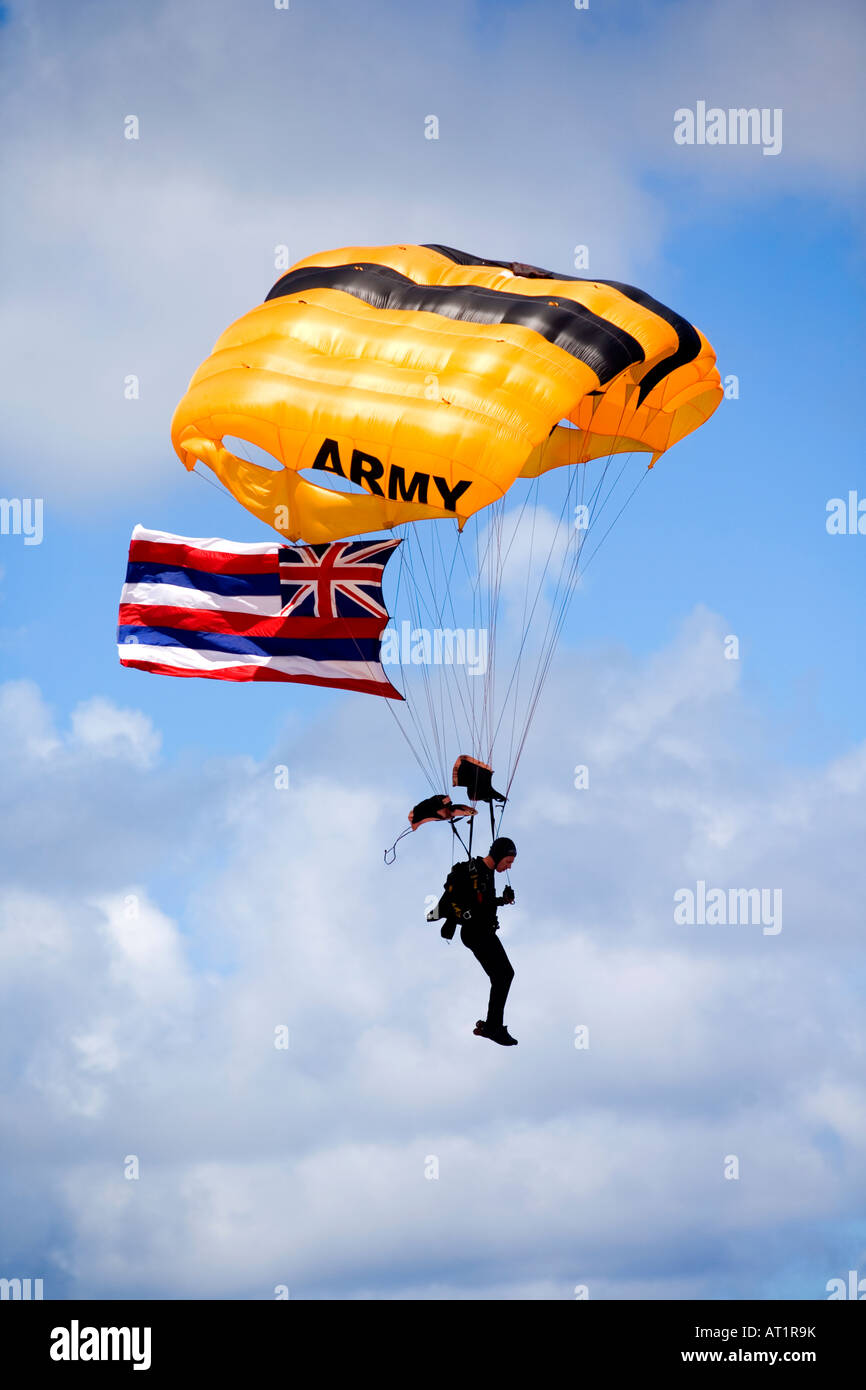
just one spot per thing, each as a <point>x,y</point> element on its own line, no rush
<point>265,673</point>
<point>251,624</point>
<point>212,561</point>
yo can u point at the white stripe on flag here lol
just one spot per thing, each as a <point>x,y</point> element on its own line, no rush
<point>180,596</point>
<point>141,533</point>
<point>198,659</point>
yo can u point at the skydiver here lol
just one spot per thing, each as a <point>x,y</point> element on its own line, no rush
<point>470,899</point>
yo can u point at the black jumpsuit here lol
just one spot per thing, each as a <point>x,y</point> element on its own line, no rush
<point>479,934</point>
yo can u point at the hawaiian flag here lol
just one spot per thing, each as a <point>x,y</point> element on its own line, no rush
<point>312,614</point>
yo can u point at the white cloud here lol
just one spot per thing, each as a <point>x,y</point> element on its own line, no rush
<point>133,1029</point>
<point>147,958</point>
<point>101,727</point>
<point>27,720</point>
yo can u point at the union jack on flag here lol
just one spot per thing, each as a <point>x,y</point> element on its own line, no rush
<point>311,614</point>
<point>340,580</point>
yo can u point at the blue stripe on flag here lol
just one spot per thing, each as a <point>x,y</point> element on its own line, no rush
<point>227,585</point>
<point>316,648</point>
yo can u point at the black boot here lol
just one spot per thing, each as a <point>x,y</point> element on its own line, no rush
<point>498,1034</point>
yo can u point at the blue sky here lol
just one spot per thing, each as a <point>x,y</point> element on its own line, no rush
<point>127,1034</point>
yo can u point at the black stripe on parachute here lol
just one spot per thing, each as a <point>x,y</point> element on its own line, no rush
<point>688,340</point>
<point>567,324</point>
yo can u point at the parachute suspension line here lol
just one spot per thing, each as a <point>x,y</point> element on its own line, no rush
<point>439,566</point>
<point>492,574</point>
<point>426,571</point>
<point>433,568</point>
<point>558,610</point>
<point>482,588</point>
<point>495,597</point>
<point>425,673</point>
<point>485,587</point>
<point>411,679</point>
<point>448,593</point>
<point>423,571</point>
<point>542,675</point>
<point>493,586</point>
<point>544,667</point>
<point>563,591</point>
<point>538,594</point>
<point>219,486</point>
<point>431,676</point>
<point>434,755</point>
<point>603,538</point>
<point>467,852</point>
<point>536,484</point>
<point>491,597</point>
<point>476,591</point>
<point>430,767</point>
<point>576,487</point>
<point>461,679</point>
<point>460,547</point>
<point>473,707</point>
<point>425,768</point>
<point>438,616</point>
<point>494,591</point>
<point>491,561</point>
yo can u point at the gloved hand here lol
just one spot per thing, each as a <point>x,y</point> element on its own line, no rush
<point>507,894</point>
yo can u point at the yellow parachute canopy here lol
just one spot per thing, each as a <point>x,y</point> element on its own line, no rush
<point>432,379</point>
